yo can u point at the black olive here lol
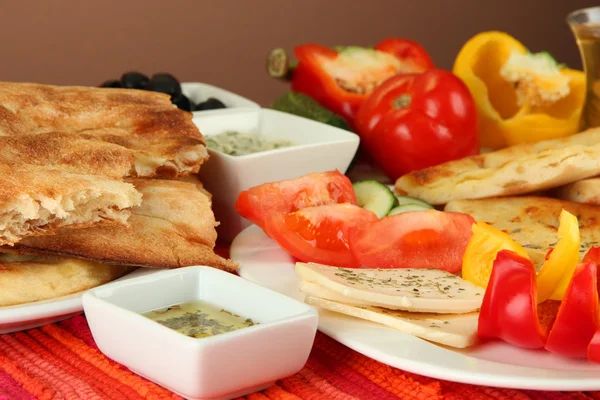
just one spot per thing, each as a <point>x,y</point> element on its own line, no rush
<point>165,83</point>
<point>210,104</point>
<point>113,83</point>
<point>182,102</point>
<point>134,80</point>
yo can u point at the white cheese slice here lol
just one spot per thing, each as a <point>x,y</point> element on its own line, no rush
<point>455,330</point>
<point>417,290</point>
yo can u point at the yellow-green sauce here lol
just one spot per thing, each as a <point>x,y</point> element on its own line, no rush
<point>240,144</point>
<point>199,319</point>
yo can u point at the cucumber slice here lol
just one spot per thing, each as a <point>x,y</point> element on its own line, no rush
<point>375,196</point>
<point>408,207</point>
<point>402,200</point>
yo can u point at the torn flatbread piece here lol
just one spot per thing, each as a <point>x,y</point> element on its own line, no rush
<point>173,227</point>
<point>38,200</point>
<point>515,170</point>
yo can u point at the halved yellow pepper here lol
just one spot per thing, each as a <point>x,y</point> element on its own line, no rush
<point>556,272</point>
<point>503,121</point>
<point>484,245</point>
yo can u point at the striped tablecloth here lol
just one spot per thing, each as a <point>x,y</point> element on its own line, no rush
<point>61,361</point>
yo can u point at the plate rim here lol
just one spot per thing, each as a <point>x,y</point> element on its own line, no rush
<point>483,378</point>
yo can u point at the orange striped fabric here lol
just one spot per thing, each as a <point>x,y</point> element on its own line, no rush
<point>61,361</point>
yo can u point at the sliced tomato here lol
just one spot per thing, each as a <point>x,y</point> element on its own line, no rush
<point>319,234</point>
<point>577,316</point>
<point>418,239</point>
<point>258,203</point>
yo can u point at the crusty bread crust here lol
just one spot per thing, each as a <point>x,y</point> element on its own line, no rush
<point>163,139</point>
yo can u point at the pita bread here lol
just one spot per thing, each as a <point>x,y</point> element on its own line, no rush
<point>586,191</point>
<point>533,221</point>
<point>173,227</point>
<point>521,169</point>
<point>24,279</point>
<point>38,200</point>
<point>164,140</point>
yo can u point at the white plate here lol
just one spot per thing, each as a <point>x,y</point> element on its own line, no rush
<point>31,315</point>
<point>199,92</point>
<point>491,364</point>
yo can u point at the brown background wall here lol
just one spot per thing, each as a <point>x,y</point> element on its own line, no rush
<point>224,42</point>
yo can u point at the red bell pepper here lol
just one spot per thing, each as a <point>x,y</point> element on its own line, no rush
<point>415,121</point>
<point>342,80</point>
<point>509,309</point>
<point>594,348</point>
<point>577,316</point>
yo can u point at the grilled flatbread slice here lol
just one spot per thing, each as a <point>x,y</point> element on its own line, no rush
<point>24,278</point>
<point>164,139</point>
<point>533,221</point>
<point>454,330</point>
<point>38,200</point>
<point>585,191</point>
<point>521,169</point>
<point>173,227</point>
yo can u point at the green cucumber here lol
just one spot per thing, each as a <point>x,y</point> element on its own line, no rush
<point>402,200</point>
<point>408,207</point>
<point>375,196</point>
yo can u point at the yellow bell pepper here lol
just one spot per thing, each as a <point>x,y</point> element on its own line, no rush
<point>520,97</point>
<point>481,252</point>
<point>556,272</point>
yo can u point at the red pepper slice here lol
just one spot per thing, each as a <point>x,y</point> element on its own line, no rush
<point>345,93</point>
<point>577,316</point>
<point>593,255</point>
<point>509,309</point>
<point>593,353</point>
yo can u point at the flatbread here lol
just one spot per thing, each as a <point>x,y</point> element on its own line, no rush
<point>25,279</point>
<point>521,169</point>
<point>164,140</point>
<point>533,221</point>
<point>37,200</point>
<point>173,227</point>
<point>586,191</point>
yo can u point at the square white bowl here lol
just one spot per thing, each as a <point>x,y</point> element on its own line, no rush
<point>199,92</point>
<point>224,366</point>
<point>318,148</point>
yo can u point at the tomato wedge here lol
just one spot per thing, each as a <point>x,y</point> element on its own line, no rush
<point>258,203</point>
<point>577,316</point>
<point>319,234</point>
<point>418,239</point>
<point>509,309</point>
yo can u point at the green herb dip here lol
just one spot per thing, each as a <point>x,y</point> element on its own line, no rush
<point>199,319</point>
<point>239,144</point>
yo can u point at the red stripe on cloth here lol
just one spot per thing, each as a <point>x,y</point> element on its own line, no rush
<point>78,327</point>
<point>277,393</point>
<point>346,378</point>
<point>482,393</point>
<point>37,367</point>
<point>37,387</point>
<point>390,379</point>
<point>143,387</point>
<point>59,355</point>
<point>12,388</point>
<point>324,385</point>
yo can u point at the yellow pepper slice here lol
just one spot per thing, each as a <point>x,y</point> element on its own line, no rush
<point>556,272</point>
<point>481,252</point>
<point>504,118</point>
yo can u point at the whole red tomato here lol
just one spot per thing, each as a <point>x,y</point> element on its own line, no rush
<point>415,121</point>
